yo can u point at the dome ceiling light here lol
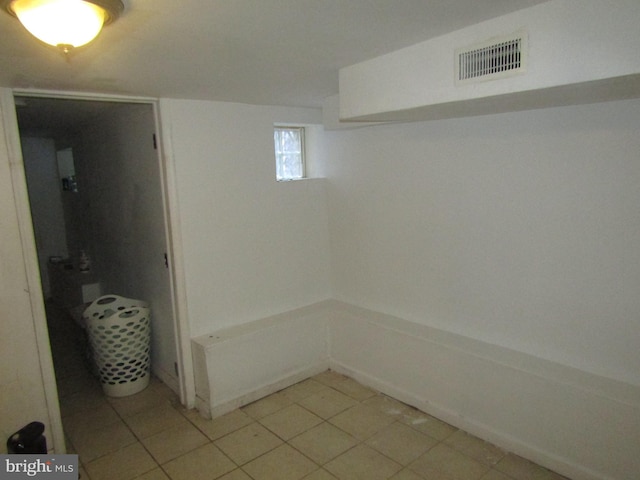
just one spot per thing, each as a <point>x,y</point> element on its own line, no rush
<point>66,24</point>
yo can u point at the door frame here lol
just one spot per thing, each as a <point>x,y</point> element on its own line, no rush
<point>172,233</point>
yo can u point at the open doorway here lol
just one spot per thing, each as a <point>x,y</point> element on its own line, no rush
<point>95,187</point>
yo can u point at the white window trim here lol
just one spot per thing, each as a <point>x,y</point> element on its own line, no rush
<point>303,151</point>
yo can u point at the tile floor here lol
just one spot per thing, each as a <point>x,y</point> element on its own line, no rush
<point>326,427</point>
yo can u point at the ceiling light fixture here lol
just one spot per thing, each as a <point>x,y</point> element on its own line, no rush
<point>65,24</point>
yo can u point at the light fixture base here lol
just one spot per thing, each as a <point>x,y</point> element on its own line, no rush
<point>65,24</point>
<point>112,8</point>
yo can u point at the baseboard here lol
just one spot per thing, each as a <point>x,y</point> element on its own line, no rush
<point>168,379</point>
<point>505,442</point>
<point>265,390</point>
<point>578,424</point>
<point>565,420</point>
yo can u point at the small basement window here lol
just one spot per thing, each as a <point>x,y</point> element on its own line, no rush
<point>289,146</point>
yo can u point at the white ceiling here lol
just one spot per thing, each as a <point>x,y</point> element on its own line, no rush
<point>272,52</point>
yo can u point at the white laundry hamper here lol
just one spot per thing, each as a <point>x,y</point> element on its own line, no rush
<point>119,331</point>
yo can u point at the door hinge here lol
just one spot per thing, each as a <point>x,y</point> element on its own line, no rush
<point>155,142</point>
<point>166,261</point>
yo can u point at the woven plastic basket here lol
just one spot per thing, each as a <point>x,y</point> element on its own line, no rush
<point>119,331</point>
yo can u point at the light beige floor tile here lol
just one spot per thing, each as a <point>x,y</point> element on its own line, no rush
<point>203,463</point>
<point>362,463</point>
<point>401,443</point>
<point>193,415</point>
<point>154,420</point>
<point>82,401</point>
<point>109,450</point>
<point>290,421</point>
<point>71,449</point>
<point>220,426</point>
<point>248,443</point>
<point>133,404</point>
<point>426,473</point>
<point>388,405</point>
<point>427,424</point>
<point>407,474</point>
<point>302,390</point>
<point>355,390</point>
<point>155,474</point>
<point>174,442</point>
<point>474,447</point>
<point>78,383</point>
<point>95,443</point>
<point>320,475</point>
<point>236,475</point>
<point>522,469</point>
<point>361,421</point>
<point>124,464</point>
<point>267,405</point>
<point>495,475</point>
<point>328,403</point>
<point>329,378</point>
<point>283,463</point>
<point>90,420</point>
<point>82,473</point>
<point>449,462</point>
<point>323,443</point>
<point>163,390</point>
<point>66,362</point>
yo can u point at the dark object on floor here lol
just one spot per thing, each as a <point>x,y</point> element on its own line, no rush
<point>29,439</point>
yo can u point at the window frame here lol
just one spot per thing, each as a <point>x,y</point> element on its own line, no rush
<point>303,161</point>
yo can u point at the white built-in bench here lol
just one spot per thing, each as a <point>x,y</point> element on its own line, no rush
<point>238,365</point>
<point>575,422</point>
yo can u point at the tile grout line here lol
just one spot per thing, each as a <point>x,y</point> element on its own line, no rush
<point>396,420</point>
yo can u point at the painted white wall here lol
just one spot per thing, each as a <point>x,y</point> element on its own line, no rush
<point>497,259</point>
<point>120,218</point>
<point>571,43</point>
<point>45,197</point>
<point>519,230</point>
<point>253,247</point>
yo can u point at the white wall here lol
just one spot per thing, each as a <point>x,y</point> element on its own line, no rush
<point>45,196</point>
<point>120,218</point>
<point>573,46</point>
<point>495,259</point>
<point>253,247</point>
<point>520,230</point>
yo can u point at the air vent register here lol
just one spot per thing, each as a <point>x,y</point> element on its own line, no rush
<point>496,58</point>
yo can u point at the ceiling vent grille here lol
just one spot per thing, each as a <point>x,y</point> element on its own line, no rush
<point>494,59</point>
